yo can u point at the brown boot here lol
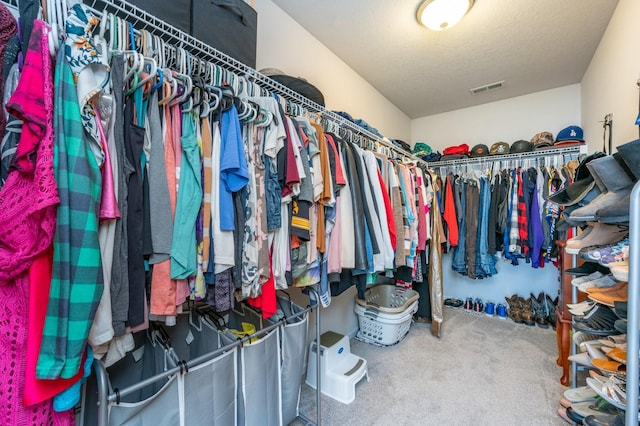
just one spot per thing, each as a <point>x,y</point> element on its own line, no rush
<point>527,311</point>
<point>515,311</point>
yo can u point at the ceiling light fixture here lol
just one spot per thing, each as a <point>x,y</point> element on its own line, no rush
<point>440,15</point>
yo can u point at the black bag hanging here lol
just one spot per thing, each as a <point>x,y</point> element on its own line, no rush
<point>227,25</point>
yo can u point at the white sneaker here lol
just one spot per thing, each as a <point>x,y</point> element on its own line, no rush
<point>593,276</point>
<point>605,281</point>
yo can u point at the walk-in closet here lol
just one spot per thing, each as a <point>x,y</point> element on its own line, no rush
<point>288,212</point>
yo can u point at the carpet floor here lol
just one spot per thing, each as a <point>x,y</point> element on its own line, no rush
<point>481,371</point>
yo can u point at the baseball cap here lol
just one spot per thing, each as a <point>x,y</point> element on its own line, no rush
<point>521,146</point>
<point>499,148</point>
<point>480,150</point>
<point>570,135</point>
<point>542,140</point>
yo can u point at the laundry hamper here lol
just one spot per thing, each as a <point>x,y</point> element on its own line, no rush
<point>259,396</point>
<point>179,398</point>
<point>385,314</point>
<point>294,355</point>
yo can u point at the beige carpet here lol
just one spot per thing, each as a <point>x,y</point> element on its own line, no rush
<point>482,371</point>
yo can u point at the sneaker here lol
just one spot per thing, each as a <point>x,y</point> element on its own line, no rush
<point>583,279</point>
<point>605,281</point>
<point>600,235</point>
<point>501,311</point>
<point>490,309</point>
<point>605,254</point>
<point>468,305</point>
<point>478,306</point>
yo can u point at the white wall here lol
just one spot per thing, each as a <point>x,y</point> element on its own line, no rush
<point>285,45</point>
<point>507,120</point>
<point>609,84</point>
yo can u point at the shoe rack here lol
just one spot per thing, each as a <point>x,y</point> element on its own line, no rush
<point>570,294</point>
<point>564,321</point>
<point>633,310</point>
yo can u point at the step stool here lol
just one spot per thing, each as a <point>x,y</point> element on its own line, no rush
<point>340,369</point>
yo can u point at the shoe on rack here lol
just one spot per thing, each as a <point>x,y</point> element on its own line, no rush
<point>607,172</point>
<point>587,268</point>
<point>590,408</point>
<point>580,394</point>
<point>618,286</point>
<point>575,417</point>
<point>583,279</point>
<point>608,298</point>
<point>605,281</point>
<point>601,234</point>
<point>620,270</point>
<point>606,253</point>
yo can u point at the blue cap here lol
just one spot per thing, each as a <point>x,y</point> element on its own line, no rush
<point>571,133</point>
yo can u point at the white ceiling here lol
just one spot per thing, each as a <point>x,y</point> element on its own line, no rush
<point>533,45</point>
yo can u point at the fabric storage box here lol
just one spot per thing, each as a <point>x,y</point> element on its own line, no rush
<point>385,314</point>
<point>229,26</point>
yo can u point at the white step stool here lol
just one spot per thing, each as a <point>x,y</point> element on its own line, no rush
<point>340,369</point>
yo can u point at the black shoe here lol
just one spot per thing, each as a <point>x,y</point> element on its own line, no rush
<point>478,307</point>
<point>574,416</point>
<point>587,268</point>
<point>468,305</point>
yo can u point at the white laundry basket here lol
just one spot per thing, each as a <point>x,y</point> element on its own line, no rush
<point>385,314</point>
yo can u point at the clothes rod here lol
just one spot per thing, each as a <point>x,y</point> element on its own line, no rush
<point>144,21</point>
<point>575,149</point>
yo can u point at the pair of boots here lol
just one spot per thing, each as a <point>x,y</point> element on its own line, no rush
<point>544,310</point>
<point>520,310</point>
<point>614,176</point>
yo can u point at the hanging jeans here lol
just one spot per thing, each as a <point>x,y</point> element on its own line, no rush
<point>459,192</point>
<point>473,197</point>
<point>485,262</point>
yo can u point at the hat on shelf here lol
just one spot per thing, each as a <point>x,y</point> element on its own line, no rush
<point>421,149</point>
<point>572,135</point>
<point>542,140</point>
<point>480,150</point>
<point>462,149</point>
<point>297,84</point>
<point>499,148</point>
<point>582,184</point>
<point>521,146</point>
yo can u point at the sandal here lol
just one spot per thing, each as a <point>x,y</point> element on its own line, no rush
<point>609,366</point>
<point>618,354</point>
<point>610,391</point>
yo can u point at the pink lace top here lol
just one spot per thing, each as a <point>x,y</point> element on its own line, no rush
<point>27,222</point>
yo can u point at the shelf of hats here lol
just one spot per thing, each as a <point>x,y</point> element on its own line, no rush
<point>569,140</point>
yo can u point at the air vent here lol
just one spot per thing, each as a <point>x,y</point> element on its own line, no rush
<point>487,87</point>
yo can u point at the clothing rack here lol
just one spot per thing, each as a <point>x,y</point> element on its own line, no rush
<point>568,150</point>
<point>142,20</point>
<point>104,397</point>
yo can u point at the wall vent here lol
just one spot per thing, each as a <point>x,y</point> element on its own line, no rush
<point>487,87</point>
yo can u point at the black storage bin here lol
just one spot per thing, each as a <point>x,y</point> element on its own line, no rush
<point>229,26</point>
<point>174,12</point>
